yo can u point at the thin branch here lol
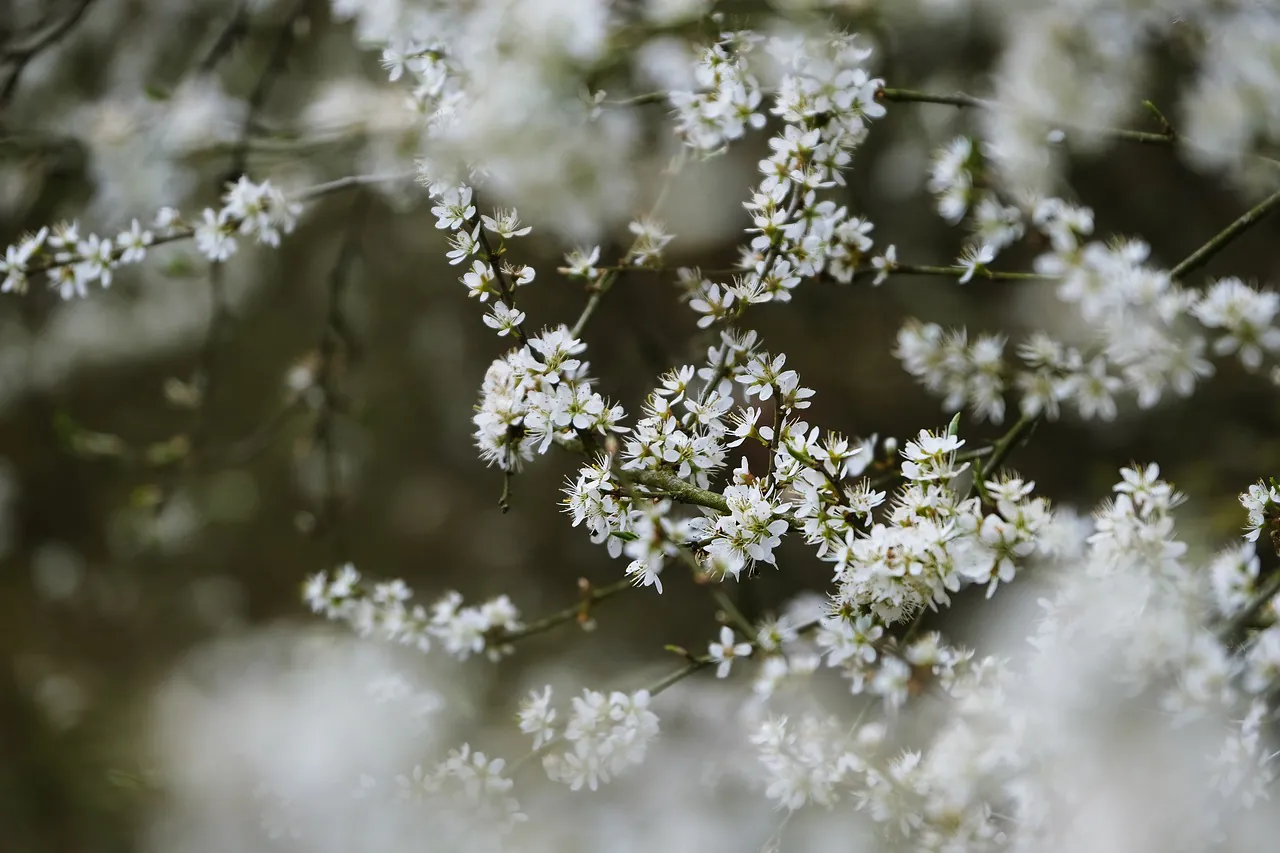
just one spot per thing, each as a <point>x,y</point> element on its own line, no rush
<point>577,612</point>
<point>770,258</point>
<point>307,195</point>
<point>910,96</point>
<point>21,54</point>
<point>1165,126</point>
<point>491,258</point>
<point>335,343</point>
<point>1000,451</point>
<point>352,182</point>
<point>731,612</point>
<point>593,302</point>
<point>262,88</point>
<point>953,272</point>
<point>677,489</point>
<point>638,100</point>
<point>701,662</point>
<point>960,99</point>
<point>235,30</point>
<point>1201,256</point>
<point>1005,445</point>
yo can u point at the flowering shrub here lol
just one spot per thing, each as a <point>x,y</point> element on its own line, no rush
<point>1133,709</point>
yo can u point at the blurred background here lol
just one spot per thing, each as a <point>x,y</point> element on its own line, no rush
<point>179,453</point>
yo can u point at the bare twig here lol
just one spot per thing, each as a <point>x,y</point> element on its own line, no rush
<point>1219,241</point>
<point>262,89</point>
<point>579,612</point>
<point>952,272</point>
<point>236,29</point>
<point>19,55</point>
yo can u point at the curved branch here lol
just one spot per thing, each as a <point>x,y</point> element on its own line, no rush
<point>21,54</point>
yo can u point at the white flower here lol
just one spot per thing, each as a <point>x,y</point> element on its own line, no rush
<point>455,208</point>
<point>974,259</point>
<point>724,652</point>
<point>134,243</point>
<point>1247,317</point>
<point>885,264</point>
<point>505,224</point>
<point>481,281</point>
<point>503,318</point>
<point>463,244</point>
<point>214,236</point>
<point>581,263</point>
<point>537,717</point>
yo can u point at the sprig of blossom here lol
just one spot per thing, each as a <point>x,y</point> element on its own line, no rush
<point>72,261</point>
<point>384,609</point>
<point>606,735</point>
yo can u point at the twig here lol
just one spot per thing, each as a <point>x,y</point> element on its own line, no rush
<point>1201,256</point>
<point>677,489</point>
<point>334,343</point>
<point>352,182</point>
<point>21,54</point>
<point>953,272</point>
<point>770,258</point>
<point>307,195</point>
<point>910,96</point>
<point>999,452</point>
<point>235,30</point>
<point>731,612</point>
<point>1164,123</point>
<point>959,99</point>
<point>262,89</point>
<point>703,661</point>
<point>1005,444</point>
<point>491,258</point>
<point>593,302</point>
<point>591,596</point>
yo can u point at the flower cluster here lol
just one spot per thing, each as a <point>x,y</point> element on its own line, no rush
<point>537,395</point>
<point>487,278</point>
<point>825,99</point>
<point>471,793</point>
<point>1003,769</point>
<point>385,609</point>
<point>73,261</point>
<point>729,102</point>
<point>605,735</point>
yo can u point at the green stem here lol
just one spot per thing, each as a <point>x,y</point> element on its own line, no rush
<point>732,613</point>
<point>677,489</point>
<point>1201,256</point>
<point>954,272</point>
<point>959,99</point>
<point>999,452</point>
<point>597,294</point>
